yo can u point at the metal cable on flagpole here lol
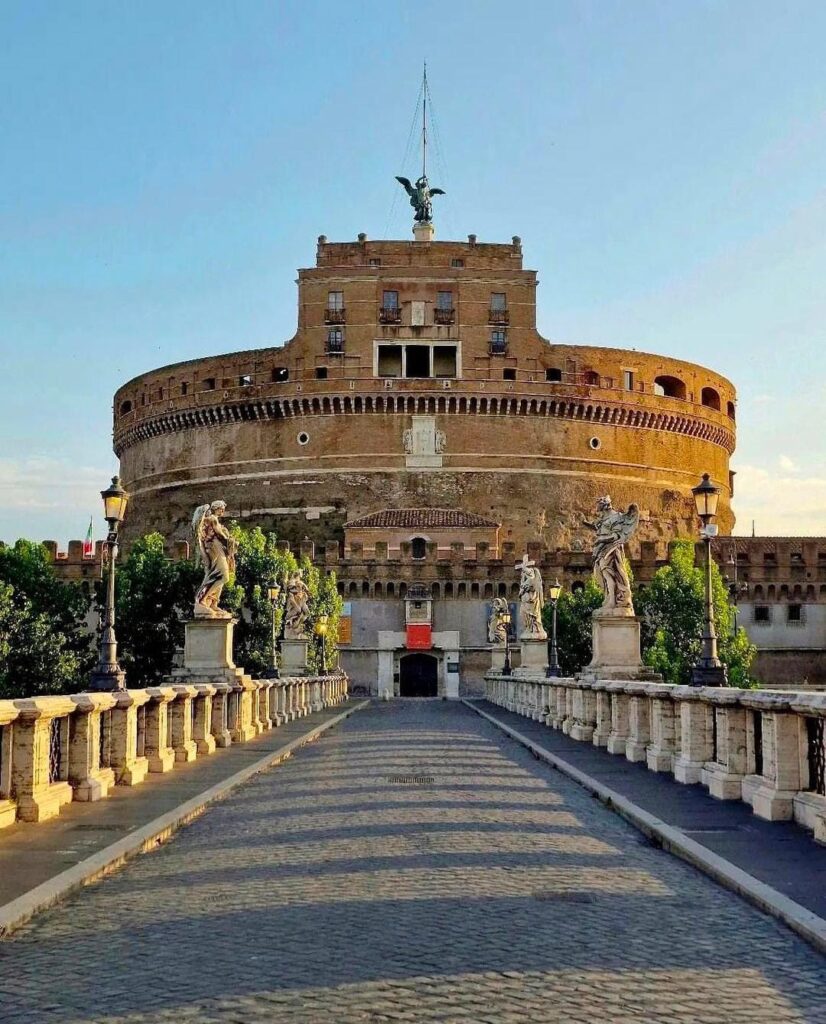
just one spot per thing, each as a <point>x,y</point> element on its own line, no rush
<point>406,156</point>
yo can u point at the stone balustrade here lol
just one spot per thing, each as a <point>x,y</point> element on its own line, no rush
<point>766,747</point>
<point>57,749</point>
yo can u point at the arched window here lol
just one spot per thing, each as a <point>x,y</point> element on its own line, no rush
<point>592,378</point>
<point>710,398</point>
<point>730,410</point>
<point>418,547</point>
<point>125,407</point>
<point>669,387</point>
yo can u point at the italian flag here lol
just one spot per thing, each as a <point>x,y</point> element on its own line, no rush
<point>89,544</point>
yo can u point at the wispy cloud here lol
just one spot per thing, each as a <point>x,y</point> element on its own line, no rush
<point>783,504</point>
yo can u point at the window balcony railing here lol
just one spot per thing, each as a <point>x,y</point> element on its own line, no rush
<point>498,348</point>
<point>390,315</point>
<point>444,316</point>
<point>499,316</point>
<point>335,346</point>
<point>334,316</point>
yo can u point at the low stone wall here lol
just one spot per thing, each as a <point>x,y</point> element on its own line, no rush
<point>765,747</point>
<point>57,749</point>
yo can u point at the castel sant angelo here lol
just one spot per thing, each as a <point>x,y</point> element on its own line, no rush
<point>417,435</point>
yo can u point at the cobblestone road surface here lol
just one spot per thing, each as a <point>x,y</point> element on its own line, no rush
<point>333,889</point>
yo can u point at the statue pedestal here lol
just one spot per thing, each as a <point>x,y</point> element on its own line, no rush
<point>497,658</point>
<point>294,657</point>
<point>617,649</point>
<point>423,231</point>
<point>208,647</point>
<point>534,658</point>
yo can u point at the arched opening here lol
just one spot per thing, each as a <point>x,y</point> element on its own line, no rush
<point>710,398</point>
<point>731,411</point>
<point>125,407</point>
<point>592,378</point>
<point>418,547</point>
<point>669,387</point>
<point>418,675</point>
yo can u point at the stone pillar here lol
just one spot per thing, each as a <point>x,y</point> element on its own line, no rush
<point>159,750</point>
<point>219,721</point>
<point>8,807</point>
<point>128,759</point>
<point>181,709</point>
<point>639,722</point>
<point>620,707</point>
<point>602,730</point>
<point>89,778</point>
<point>662,748</point>
<point>294,657</point>
<point>256,718</point>
<point>695,735</point>
<point>783,756</point>
<point>568,710</point>
<point>534,656</point>
<point>240,724</point>
<point>584,713</point>
<point>724,774</point>
<point>497,657</point>
<point>205,742</point>
<point>41,792</point>
<point>208,648</point>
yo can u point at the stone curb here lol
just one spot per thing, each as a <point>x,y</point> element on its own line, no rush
<point>147,837</point>
<point>808,925</point>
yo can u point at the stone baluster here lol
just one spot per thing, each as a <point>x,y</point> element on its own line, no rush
<point>662,748</point>
<point>584,713</point>
<point>88,777</point>
<point>128,758</point>
<point>602,729</point>
<point>620,707</point>
<point>568,716</point>
<point>773,793</point>
<point>695,734</point>
<point>219,722</point>
<point>40,782</point>
<point>205,742</point>
<point>639,721</point>
<point>158,747</point>
<point>724,772</point>
<point>181,711</point>
<point>241,727</point>
<point>8,806</point>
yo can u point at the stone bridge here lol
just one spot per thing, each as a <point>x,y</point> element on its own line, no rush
<point>419,860</point>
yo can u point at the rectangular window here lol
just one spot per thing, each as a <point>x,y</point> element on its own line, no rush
<point>498,342</point>
<point>553,374</point>
<point>321,373</point>
<point>762,613</point>
<point>374,262</point>
<point>444,360</point>
<point>498,301</point>
<point>457,263</point>
<point>280,374</point>
<point>628,380</point>
<point>417,361</point>
<point>444,300</point>
<point>208,384</point>
<point>390,300</point>
<point>509,374</point>
<point>390,361</point>
<point>245,380</point>
<point>794,613</point>
<point>335,300</point>
<point>335,340</point>
<point>184,388</point>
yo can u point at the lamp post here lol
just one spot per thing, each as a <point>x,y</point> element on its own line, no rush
<point>553,669</point>
<point>320,630</point>
<point>506,621</point>
<point>107,675</point>
<point>709,670</point>
<point>273,593</point>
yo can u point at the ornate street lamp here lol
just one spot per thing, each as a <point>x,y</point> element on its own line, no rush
<point>709,670</point>
<point>506,621</point>
<point>107,675</point>
<point>273,593</point>
<point>320,630</point>
<point>553,669</point>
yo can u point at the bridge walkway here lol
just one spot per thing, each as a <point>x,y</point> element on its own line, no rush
<point>414,864</point>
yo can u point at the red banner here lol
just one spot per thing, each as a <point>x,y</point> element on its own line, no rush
<point>419,636</point>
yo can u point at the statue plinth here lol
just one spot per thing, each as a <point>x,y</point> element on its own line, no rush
<point>497,657</point>
<point>294,657</point>
<point>208,652</point>
<point>424,232</point>
<point>534,657</point>
<point>616,638</point>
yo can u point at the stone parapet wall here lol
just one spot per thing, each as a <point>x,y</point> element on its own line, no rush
<point>767,748</point>
<point>57,749</point>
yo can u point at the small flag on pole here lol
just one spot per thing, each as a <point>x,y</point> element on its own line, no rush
<point>89,544</point>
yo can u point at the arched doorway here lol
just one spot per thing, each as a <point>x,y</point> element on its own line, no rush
<point>418,675</point>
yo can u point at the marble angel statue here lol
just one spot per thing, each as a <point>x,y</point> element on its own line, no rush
<point>613,530</point>
<point>297,611</point>
<point>215,547</point>
<point>497,627</point>
<point>531,599</point>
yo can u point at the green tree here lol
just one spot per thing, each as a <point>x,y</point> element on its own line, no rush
<point>46,646</point>
<point>324,600</point>
<point>154,598</point>
<point>672,609</point>
<point>574,611</point>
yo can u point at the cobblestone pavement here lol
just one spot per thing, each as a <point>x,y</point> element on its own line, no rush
<point>413,865</point>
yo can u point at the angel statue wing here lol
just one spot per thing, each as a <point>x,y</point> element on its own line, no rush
<point>407,186</point>
<point>438,192</point>
<point>197,524</point>
<point>627,522</point>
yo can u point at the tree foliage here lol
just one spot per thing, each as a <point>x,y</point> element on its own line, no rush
<point>574,610</point>
<point>45,645</point>
<point>672,609</point>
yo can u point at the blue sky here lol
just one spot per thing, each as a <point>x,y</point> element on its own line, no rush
<point>166,167</point>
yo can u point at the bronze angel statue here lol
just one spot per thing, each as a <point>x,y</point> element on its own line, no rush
<point>613,530</point>
<point>215,547</point>
<point>420,196</point>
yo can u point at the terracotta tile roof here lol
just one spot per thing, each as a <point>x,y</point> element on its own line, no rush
<point>420,518</point>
